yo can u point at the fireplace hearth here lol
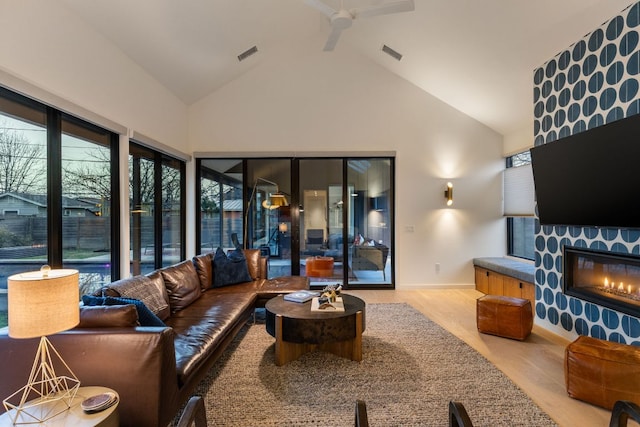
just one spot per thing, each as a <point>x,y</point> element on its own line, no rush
<point>609,279</point>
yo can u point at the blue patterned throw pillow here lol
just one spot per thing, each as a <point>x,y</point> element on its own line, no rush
<point>146,317</point>
<point>231,269</point>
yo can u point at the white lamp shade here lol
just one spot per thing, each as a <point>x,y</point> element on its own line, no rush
<point>40,305</point>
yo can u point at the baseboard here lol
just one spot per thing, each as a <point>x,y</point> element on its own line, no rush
<point>422,286</point>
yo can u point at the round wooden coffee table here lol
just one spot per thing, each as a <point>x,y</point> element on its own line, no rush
<point>298,330</point>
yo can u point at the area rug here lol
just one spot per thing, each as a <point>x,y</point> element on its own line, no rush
<point>411,369</point>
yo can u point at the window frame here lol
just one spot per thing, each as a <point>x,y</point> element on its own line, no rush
<point>159,161</point>
<point>53,170</point>
<point>516,160</point>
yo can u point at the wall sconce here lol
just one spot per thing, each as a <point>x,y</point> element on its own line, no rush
<point>283,227</point>
<point>448,194</point>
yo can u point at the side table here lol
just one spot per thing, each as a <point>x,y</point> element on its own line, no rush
<point>75,416</point>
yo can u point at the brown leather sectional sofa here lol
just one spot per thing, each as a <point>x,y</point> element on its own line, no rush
<point>154,369</point>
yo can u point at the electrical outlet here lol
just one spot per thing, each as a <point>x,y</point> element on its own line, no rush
<point>409,228</point>
<point>437,267</point>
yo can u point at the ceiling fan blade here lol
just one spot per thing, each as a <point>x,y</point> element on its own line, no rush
<point>322,7</point>
<point>384,9</point>
<point>333,39</point>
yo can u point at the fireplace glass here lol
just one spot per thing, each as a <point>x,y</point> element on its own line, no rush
<point>608,279</point>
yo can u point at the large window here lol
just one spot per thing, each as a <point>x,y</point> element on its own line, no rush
<point>520,229</point>
<point>156,200</point>
<point>220,189</point>
<point>337,225</point>
<point>57,177</point>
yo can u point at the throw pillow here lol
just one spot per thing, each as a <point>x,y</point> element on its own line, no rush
<point>145,316</point>
<point>229,270</point>
<point>141,288</point>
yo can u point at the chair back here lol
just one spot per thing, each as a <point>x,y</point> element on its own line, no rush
<point>458,416</point>
<point>194,414</point>
<point>622,411</point>
<point>361,414</point>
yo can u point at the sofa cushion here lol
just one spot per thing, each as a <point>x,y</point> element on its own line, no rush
<point>144,289</point>
<point>145,316</point>
<point>231,269</point>
<point>253,262</point>
<point>202,328</point>
<point>204,267</point>
<point>108,316</point>
<point>182,283</point>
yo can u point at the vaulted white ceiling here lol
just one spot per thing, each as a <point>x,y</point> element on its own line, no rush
<point>476,55</point>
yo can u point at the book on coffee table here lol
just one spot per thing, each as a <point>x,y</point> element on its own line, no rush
<point>301,296</point>
<point>327,307</point>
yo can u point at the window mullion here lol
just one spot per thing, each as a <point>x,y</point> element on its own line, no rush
<point>54,187</point>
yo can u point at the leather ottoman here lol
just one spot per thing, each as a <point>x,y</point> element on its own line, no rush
<point>504,316</point>
<point>319,266</point>
<point>602,372</point>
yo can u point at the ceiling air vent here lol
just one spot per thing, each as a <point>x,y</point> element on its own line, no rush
<point>247,53</point>
<point>395,55</point>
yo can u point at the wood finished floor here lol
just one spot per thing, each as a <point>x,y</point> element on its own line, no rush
<point>535,365</point>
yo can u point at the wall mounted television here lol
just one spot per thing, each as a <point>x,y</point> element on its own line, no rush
<point>591,178</point>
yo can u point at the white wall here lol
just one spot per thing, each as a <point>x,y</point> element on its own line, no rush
<point>51,55</point>
<point>518,141</point>
<point>339,101</point>
<point>42,43</point>
<point>315,102</point>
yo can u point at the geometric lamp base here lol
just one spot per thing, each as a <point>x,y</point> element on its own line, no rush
<point>46,394</point>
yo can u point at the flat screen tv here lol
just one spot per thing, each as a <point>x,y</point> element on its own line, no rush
<point>591,178</point>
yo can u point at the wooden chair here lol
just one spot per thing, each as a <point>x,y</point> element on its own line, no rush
<point>622,411</point>
<point>194,414</point>
<point>458,416</point>
<point>361,414</point>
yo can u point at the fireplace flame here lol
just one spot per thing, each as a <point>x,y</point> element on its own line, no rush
<point>606,282</point>
<point>621,287</point>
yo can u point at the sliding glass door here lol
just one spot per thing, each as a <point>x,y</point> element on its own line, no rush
<point>370,214</point>
<point>329,219</point>
<point>268,217</point>
<point>321,221</point>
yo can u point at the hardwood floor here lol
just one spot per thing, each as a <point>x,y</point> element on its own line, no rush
<point>536,365</point>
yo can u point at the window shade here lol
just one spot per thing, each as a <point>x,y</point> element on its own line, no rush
<point>519,191</point>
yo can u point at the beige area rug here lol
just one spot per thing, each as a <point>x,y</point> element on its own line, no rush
<point>410,371</point>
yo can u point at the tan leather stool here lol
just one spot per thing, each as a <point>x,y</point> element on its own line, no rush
<point>319,266</point>
<point>504,316</point>
<point>602,372</point>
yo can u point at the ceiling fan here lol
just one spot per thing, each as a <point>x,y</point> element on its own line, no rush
<point>343,18</point>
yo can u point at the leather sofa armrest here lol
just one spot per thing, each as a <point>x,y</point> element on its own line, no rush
<point>138,363</point>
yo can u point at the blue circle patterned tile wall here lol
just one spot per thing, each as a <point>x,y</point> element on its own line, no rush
<point>593,82</point>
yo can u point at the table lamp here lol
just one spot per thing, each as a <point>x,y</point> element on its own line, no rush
<point>42,303</point>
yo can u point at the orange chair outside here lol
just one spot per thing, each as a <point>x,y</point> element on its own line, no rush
<point>319,266</point>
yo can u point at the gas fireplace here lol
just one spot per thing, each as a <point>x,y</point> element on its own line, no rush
<point>608,279</point>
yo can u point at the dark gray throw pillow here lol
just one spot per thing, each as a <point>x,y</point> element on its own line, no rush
<point>229,270</point>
